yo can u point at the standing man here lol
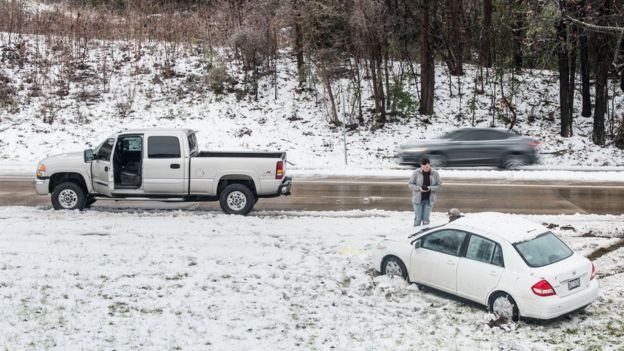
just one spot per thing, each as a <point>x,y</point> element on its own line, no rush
<point>425,182</point>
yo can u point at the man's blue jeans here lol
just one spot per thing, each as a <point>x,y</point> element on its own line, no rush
<point>422,213</point>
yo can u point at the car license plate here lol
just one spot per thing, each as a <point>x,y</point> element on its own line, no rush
<point>574,283</point>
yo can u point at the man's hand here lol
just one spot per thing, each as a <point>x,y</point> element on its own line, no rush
<point>424,188</point>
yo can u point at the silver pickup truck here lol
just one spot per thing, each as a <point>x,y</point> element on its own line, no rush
<point>164,165</point>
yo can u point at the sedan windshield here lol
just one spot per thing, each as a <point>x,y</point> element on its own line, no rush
<point>543,250</point>
<point>452,134</point>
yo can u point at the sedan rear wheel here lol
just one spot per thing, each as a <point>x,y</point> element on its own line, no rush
<point>504,306</point>
<point>514,161</point>
<point>393,266</point>
<point>437,160</point>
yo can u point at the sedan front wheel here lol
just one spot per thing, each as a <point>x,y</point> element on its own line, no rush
<point>393,266</point>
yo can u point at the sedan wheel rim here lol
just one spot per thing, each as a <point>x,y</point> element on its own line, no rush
<point>393,269</point>
<point>68,198</point>
<point>436,161</point>
<point>236,200</point>
<point>514,162</point>
<point>502,307</point>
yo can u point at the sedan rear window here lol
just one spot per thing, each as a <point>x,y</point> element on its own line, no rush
<point>543,250</point>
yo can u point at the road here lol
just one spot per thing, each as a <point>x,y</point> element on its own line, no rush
<point>390,194</point>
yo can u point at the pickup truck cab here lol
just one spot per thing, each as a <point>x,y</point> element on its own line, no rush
<point>164,165</point>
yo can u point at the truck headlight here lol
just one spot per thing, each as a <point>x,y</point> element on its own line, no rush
<point>41,169</point>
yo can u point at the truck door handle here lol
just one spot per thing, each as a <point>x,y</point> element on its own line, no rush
<point>105,169</point>
<point>175,165</point>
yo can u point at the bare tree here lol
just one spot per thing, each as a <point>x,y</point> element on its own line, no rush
<point>427,64</point>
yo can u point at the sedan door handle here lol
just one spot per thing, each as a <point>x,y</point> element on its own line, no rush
<point>493,274</point>
<point>175,165</point>
<point>450,262</point>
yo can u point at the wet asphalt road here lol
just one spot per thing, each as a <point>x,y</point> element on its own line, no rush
<point>331,194</point>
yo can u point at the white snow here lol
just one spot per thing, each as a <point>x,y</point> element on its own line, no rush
<point>138,96</point>
<point>155,279</point>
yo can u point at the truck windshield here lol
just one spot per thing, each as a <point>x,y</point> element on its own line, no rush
<point>543,250</point>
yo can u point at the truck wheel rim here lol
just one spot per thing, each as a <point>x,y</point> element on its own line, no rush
<point>393,269</point>
<point>236,200</point>
<point>502,307</point>
<point>68,198</point>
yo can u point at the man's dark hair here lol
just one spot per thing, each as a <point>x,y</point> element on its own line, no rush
<point>424,161</point>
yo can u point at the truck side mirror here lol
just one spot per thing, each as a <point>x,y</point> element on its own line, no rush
<point>417,244</point>
<point>88,155</point>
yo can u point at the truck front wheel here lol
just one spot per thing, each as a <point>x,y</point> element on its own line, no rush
<point>68,196</point>
<point>237,199</point>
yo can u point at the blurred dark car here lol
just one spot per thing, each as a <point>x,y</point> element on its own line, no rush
<point>472,147</point>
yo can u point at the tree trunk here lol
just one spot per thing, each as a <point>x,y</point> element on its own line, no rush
<point>299,43</point>
<point>585,70</point>
<point>517,34</point>
<point>486,56</point>
<point>427,69</point>
<point>376,80</point>
<point>573,42</point>
<point>603,59</point>
<point>330,94</point>
<point>564,77</point>
<point>598,135</point>
<point>454,10</point>
<point>381,113</point>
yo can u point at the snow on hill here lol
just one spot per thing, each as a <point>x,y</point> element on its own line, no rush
<point>117,85</point>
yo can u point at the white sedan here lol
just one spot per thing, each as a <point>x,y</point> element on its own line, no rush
<point>513,266</point>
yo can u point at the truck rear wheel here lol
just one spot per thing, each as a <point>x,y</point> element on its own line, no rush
<point>237,199</point>
<point>68,196</point>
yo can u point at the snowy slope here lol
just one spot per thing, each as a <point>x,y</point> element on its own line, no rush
<point>139,96</point>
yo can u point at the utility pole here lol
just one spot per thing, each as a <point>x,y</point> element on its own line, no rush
<point>344,124</point>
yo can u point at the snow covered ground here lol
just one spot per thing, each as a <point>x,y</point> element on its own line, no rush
<point>119,85</point>
<point>156,279</point>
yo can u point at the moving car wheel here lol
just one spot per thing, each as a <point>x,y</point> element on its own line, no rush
<point>502,305</point>
<point>514,161</point>
<point>437,160</point>
<point>68,196</point>
<point>237,199</point>
<point>392,266</point>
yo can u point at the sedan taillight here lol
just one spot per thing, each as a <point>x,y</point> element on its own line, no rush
<point>593,274</point>
<point>534,143</point>
<point>543,288</point>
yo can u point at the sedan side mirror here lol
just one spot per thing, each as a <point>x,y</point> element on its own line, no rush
<point>88,155</point>
<point>417,244</point>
